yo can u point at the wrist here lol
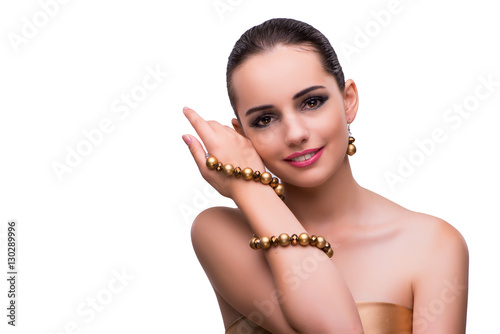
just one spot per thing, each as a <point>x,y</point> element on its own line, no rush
<point>243,191</point>
<point>237,189</point>
<point>264,210</point>
<point>258,181</point>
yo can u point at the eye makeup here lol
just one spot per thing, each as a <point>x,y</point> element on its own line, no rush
<point>310,103</point>
<point>319,99</point>
<point>262,121</point>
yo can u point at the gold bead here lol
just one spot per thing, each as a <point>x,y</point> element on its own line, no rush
<point>282,197</point>
<point>329,252</point>
<point>247,173</point>
<point>219,167</point>
<point>257,244</point>
<point>351,149</point>
<point>274,182</point>
<point>274,241</point>
<point>228,169</point>
<point>284,239</point>
<point>294,239</point>
<point>279,189</point>
<point>313,240</point>
<point>321,242</point>
<point>237,172</point>
<point>212,162</point>
<point>351,140</point>
<point>256,175</point>
<point>327,245</point>
<point>266,178</point>
<point>265,242</point>
<point>304,239</point>
<point>252,243</point>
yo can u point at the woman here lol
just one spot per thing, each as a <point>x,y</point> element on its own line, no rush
<point>392,270</point>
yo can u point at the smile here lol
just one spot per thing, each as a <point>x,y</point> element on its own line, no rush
<point>305,158</point>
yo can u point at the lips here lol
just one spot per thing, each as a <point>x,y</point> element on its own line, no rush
<point>304,158</point>
<point>298,154</point>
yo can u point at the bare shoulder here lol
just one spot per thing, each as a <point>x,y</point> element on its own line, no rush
<point>433,234</point>
<point>422,230</point>
<point>220,228</point>
<point>218,221</point>
<point>438,259</point>
<point>431,244</point>
<point>425,240</point>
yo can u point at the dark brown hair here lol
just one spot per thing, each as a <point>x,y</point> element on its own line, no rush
<point>281,31</point>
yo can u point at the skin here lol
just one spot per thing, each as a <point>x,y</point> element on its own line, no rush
<point>383,252</point>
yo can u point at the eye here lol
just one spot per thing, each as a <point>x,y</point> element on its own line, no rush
<point>263,121</point>
<point>314,102</point>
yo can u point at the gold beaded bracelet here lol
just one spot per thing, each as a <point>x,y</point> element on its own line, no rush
<point>284,240</point>
<point>246,174</point>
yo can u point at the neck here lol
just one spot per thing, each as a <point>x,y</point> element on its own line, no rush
<point>336,201</point>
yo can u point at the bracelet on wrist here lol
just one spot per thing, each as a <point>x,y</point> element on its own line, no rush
<point>246,174</point>
<point>284,240</point>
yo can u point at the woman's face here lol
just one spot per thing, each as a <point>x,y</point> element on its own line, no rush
<point>294,114</point>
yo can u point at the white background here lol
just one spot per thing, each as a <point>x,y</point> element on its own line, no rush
<point>128,205</point>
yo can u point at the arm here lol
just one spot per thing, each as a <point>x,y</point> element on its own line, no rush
<point>319,302</point>
<point>237,273</point>
<point>244,277</point>
<point>441,288</point>
<point>316,303</point>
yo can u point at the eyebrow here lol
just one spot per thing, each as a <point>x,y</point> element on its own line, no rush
<point>269,106</point>
<point>305,91</point>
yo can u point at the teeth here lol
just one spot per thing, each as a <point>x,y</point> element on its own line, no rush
<point>304,157</point>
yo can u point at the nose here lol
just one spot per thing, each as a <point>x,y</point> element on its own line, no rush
<point>296,130</point>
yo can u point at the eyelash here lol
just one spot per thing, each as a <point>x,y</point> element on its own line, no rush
<point>320,98</point>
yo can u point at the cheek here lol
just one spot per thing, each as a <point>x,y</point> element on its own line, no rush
<point>331,125</point>
<point>337,130</point>
<point>264,137</point>
<point>267,143</point>
<point>332,131</point>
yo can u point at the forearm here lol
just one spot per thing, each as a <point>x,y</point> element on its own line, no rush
<point>314,296</point>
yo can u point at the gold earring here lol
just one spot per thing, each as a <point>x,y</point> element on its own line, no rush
<point>351,149</point>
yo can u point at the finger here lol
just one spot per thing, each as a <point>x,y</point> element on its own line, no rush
<point>202,128</point>
<point>196,150</point>
<point>215,125</point>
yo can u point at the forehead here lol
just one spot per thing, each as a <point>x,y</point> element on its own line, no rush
<point>277,75</point>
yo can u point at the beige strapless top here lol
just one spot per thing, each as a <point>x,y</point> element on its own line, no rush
<point>376,317</point>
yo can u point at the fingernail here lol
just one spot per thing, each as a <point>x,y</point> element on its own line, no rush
<point>185,108</point>
<point>186,139</point>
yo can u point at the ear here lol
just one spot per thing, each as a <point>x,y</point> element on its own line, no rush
<point>351,100</point>
<point>237,126</point>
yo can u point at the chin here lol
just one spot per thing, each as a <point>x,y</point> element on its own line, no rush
<point>303,179</point>
<point>310,177</point>
<point>310,183</point>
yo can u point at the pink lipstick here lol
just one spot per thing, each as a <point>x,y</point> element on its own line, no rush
<point>304,158</point>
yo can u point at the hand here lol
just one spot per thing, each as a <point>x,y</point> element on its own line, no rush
<point>224,143</point>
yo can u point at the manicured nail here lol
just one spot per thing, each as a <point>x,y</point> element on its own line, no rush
<point>186,139</point>
<point>185,108</point>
